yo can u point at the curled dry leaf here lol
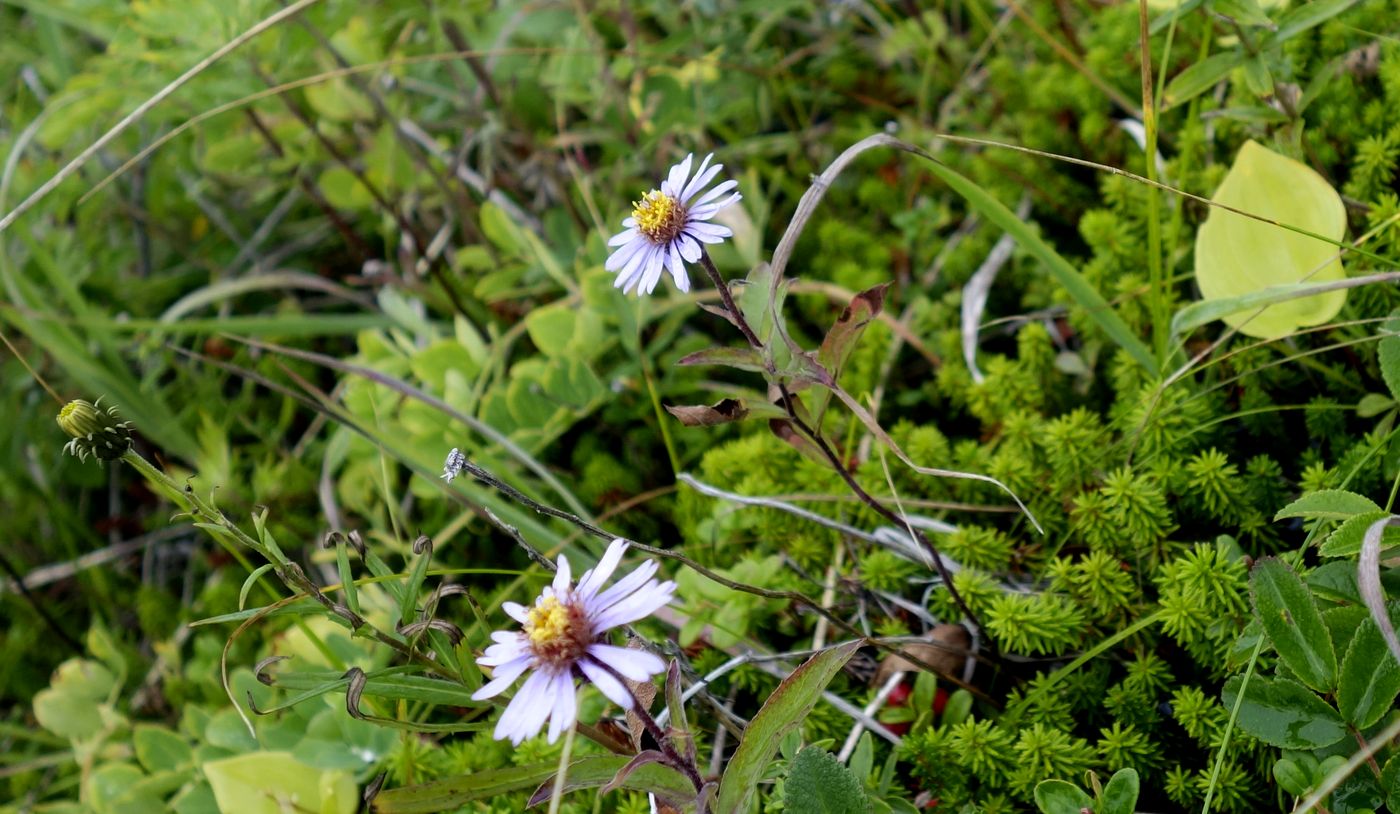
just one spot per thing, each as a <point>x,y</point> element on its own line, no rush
<point>699,415</point>
<point>946,651</point>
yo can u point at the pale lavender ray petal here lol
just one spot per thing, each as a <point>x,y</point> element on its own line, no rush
<point>675,182</point>
<point>702,229</point>
<point>622,587</point>
<point>504,676</point>
<point>637,665</point>
<point>716,192</point>
<point>632,272</point>
<point>702,177</point>
<point>629,222</point>
<point>690,249</point>
<point>605,682</point>
<point>562,577</point>
<point>620,258</point>
<point>502,653</point>
<point>516,611</point>
<point>589,584</point>
<point>708,210</point>
<point>565,706</point>
<point>535,693</point>
<point>655,264</point>
<point>635,608</point>
<point>678,269</point>
<point>622,237</point>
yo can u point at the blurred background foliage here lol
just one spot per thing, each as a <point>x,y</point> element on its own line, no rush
<point>376,232</point>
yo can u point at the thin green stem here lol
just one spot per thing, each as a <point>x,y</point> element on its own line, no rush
<point>1160,299</point>
<point>557,797</point>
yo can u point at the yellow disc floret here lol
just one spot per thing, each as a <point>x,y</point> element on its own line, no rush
<point>659,216</point>
<point>558,631</point>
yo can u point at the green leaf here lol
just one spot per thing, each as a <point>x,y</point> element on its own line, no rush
<point>1390,783</point>
<point>453,792</point>
<point>1206,311</point>
<point>1236,255</point>
<point>1345,540</point>
<point>591,772</point>
<point>1373,404</point>
<point>739,357</point>
<point>1079,288</point>
<point>1390,355</point>
<point>1284,713</point>
<point>1244,12</point>
<point>817,783</point>
<point>159,749</point>
<point>1200,77</point>
<point>1286,609</point>
<point>1297,20</point>
<point>1291,777</point>
<point>1059,797</point>
<point>1370,676</point>
<point>255,783</point>
<point>1333,504</point>
<point>1121,794</point>
<point>784,711</point>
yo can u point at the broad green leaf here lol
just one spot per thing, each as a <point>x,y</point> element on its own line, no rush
<point>1345,540</point>
<point>1370,677</point>
<point>1059,797</point>
<point>73,705</point>
<point>1121,794</point>
<point>1390,783</point>
<point>1291,777</point>
<point>817,783</point>
<point>1236,255</point>
<point>1284,713</point>
<point>159,749</point>
<point>265,782</point>
<point>1286,609</point>
<point>451,793</point>
<point>784,711</point>
<point>1332,504</point>
<point>591,772</point>
<point>1200,77</point>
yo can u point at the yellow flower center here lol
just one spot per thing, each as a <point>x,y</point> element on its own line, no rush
<point>659,216</point>
<point>549,622</point>
<point>559,632</point>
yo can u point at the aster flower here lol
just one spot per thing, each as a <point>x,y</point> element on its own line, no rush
<point>667,227</point>
<point>564,638</point>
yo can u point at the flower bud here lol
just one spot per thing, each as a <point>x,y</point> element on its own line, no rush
<point>95,431</point>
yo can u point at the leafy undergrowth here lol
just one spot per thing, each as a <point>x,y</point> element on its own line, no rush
<point>375,233</point>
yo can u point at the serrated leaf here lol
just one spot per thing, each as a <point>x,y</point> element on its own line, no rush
<point>817,783</point>
<point>1121,794</point>
<point>1236,255</point>
<point>1291,620</point>
<point>1345,540</point>
<point>1284,713</point>
<point>1370,676</point>
<point>1059,797</point>
<point>784,711</point>
<point>1332,504</point>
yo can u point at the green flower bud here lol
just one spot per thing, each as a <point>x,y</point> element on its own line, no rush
<point>96,432</point>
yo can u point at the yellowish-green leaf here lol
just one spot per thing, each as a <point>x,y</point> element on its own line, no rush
<point>274,782</point>
<point>1236,255</point>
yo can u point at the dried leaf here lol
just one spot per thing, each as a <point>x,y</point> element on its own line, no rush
<point>699,415</point>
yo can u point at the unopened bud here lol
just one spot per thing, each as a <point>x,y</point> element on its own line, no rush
<point>95,431</point>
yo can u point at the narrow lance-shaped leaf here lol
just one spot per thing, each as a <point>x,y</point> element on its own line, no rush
<point>784,710</point>
<point>700,415</point>
<point>591,772</point>
<point>1286,609</point>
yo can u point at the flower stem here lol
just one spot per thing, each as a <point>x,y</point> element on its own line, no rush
<point>723,288</point>
<point>663,741</point>
<point>558,795</point>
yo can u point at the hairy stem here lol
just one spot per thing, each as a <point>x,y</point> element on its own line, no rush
<point>663,741</point>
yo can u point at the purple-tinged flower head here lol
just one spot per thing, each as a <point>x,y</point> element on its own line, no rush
<point>563,638</point>
<point>667,227</point>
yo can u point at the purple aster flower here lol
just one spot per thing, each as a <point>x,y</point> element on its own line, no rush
<point>667,227</point>
<point>564,638</point>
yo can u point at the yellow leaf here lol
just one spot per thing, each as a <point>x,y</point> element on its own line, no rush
<point>1236,255</point>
